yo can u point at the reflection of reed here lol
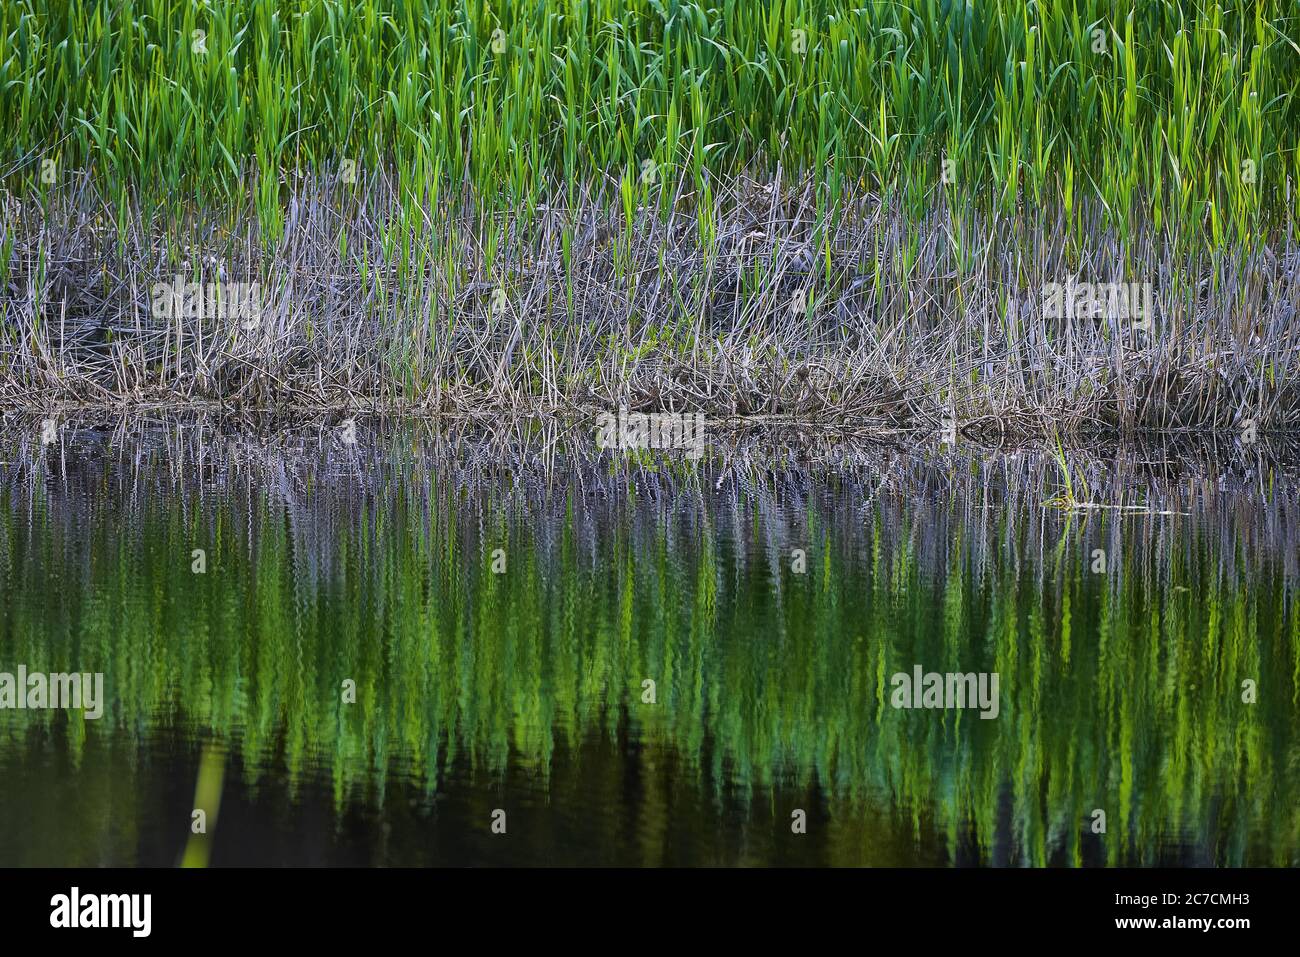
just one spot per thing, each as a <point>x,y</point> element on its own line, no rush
<point>207,798</point>
<point>1121,690</point>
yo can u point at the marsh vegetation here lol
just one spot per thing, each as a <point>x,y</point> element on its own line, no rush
<point>832,212</point>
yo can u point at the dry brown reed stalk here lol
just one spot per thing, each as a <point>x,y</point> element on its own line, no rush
<point>874,323</point>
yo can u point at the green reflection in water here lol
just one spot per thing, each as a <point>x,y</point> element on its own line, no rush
<point>1120,690</point>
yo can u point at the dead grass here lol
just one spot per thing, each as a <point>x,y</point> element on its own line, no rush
<point>369,303</point>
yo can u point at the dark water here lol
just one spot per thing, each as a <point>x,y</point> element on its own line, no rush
<point>1120,689</point>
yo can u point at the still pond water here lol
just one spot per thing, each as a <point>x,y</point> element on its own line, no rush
<point>501,606</point>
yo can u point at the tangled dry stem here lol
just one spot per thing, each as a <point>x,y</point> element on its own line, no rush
<point>372,300</point>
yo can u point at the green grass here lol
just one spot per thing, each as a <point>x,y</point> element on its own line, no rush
<point>1153,109</point>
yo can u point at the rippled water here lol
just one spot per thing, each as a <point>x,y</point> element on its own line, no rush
<point>770,594</point>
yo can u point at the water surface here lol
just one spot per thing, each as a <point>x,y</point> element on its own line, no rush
<point>769,592</point>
